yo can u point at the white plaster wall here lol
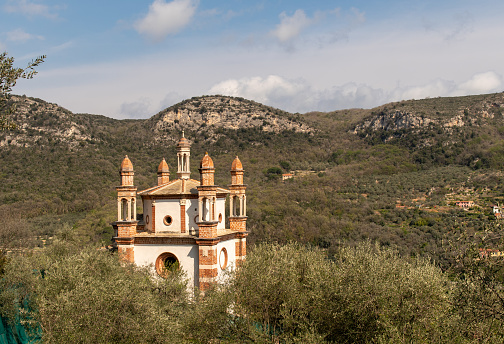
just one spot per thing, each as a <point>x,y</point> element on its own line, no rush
<point>187,255</point>
<point>221,209</point>
<point>230,248</point>
<point>191,212</point>
<point>147,210</point>
<point>168,207</point>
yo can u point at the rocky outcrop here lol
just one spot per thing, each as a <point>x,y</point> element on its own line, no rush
<point>210,113</point>
<point>38,121</point>
<point>444,114</point>
<point>393,121</point>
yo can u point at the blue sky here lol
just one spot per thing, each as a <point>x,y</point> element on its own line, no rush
<point>131,59</point>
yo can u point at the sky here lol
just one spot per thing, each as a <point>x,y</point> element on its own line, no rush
<point>131,59</point>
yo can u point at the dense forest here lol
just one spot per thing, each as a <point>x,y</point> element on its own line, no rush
<point>367,232</point>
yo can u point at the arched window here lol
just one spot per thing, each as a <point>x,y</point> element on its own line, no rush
<point>223,258</point>
<point>124,209</point>
<point>167,263</point>
<point>205,209</point>
<point>236,206</point>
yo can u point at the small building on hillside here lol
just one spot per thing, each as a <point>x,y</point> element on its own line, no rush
<point>286,176</point>
<point>465,204</point>
<point>183,225</point>
<point>490,253</point>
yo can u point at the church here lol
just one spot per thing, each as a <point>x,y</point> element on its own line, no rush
<point>184,224</point>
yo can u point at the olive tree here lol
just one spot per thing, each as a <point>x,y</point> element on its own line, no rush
<point>362,294</point>
<point>9,75</point>
<point>73,295</point>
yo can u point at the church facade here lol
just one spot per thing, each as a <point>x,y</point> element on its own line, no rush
<point>184,224</point>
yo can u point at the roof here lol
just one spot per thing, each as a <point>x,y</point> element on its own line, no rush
<point>177,187</point>
<point>236,165</point>
<point>163,166</point>
<point>126,164</point>
<point>183,142</point>
<point>206,162</point>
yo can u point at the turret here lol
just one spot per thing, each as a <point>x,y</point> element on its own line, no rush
<point>207,171</point>
<point>183,155</point>
<point>126,193</point>
<point>126,172</point>
<point>163,173</point>
<point>207,198</point>
<point>207,224</point>
<point>126,223</point>
<point>237,198</point>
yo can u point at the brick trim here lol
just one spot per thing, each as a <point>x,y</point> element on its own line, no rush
<point>153,207</point>
<point>182,218</point>
<point>162,240</point>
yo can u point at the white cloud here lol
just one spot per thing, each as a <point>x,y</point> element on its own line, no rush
<point>291,27</point>
<point>29,8</point>
<point>481,83</point>
<point>270,90</point>
<point>436,88</point>
<point>299,96</point>
<point>19,35</point>
<point>136,109</point>
<point>166,18</point>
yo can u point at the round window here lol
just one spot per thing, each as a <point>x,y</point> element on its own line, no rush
<point>167,220</point>
<point>147,219</point>
<point>220,217</point>
<point>196,218</point>
<point>166,263</point>
<point>223,258</point>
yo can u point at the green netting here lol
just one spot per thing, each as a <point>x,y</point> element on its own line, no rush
<point>16,333</point>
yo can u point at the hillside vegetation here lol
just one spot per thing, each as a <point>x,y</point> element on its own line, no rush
<point>390,174</point>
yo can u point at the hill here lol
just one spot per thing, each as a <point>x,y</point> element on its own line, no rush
<point>392,173</point>
<point>211,115</point>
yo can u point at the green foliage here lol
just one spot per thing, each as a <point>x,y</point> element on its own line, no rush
<point>281,293</point>
<point>384,296</point>
<point>273,173</point>
<point>8,78</point>
<point>88,296</point>
<point>479,298</point>
<point>285,165</point>
<point>366,294</point>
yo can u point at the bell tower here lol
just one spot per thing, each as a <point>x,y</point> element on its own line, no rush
<point>237,198</point>
<point>207,224</point>
<point>183,155</point>
<point>126,211</point>
<point>238,209</point>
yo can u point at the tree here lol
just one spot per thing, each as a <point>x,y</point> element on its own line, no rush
<point>72,295</point>
<point>8,78</point>
<point>364,294</point>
